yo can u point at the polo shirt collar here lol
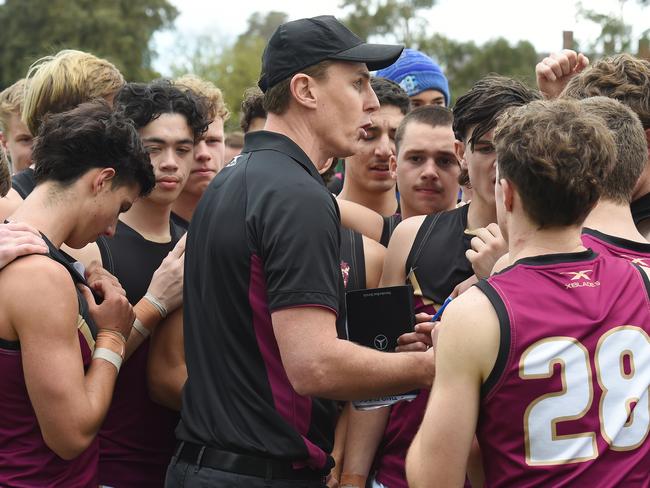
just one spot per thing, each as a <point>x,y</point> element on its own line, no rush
<point>274,141</point>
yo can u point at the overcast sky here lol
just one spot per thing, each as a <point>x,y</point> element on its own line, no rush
<point>540,22</point>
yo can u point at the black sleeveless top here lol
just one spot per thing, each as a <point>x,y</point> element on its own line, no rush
<point>180,221</point>
<point>437,262</point>
<point>353,260</point>
<point>137,437</point>
<point>641,209</point>
<point>24,182</point>
<point>132,259</point>
<point>389,226</point>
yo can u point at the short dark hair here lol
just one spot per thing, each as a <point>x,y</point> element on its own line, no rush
<point>432,115</point>
<point>144,102</point>
<point>556,155</point>
<point>390,93</point>
<point>252,106</point>
<point>234,139</point>
<point>486,100</point>
<point>631,146</point>
<point>91,136</point>
<point>482,105</point>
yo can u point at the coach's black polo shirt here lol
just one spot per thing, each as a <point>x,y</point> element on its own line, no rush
<point>265,236</point>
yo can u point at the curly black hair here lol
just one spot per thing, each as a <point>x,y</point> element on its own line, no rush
<point>390,93</point>
<point>90,136</point>
<point>144,102</point>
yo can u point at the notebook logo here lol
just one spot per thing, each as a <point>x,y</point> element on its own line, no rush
<point>381,342</point>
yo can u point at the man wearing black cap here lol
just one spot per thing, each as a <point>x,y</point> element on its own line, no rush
<point>263,288</point>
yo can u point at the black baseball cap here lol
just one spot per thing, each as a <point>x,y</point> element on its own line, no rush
<point>301,43</point>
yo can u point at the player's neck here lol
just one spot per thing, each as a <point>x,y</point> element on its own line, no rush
<point>149,219</point>
<point>185,205</point>
<point>54,218</point>
<point>480,213</point>
<point>384,203</point>
<point>614,219</point>
<point>526,239</point>
<point>643,183</point>
<point>299,131</point>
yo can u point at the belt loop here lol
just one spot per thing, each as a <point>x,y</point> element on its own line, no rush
<point>179,449</point>
<point>269,472</point>
<point>198,459</point>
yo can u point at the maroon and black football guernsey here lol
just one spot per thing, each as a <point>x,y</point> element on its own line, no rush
<point>641,209</point>
<point>567,401</point>
<point>137,437</point>
<point>25,459</point>
<point>24,182</point>
<point>353,260</point>
<point>608,245</point>
<point>434,266</point>
<point>281,250</point>
<point>390,224</point>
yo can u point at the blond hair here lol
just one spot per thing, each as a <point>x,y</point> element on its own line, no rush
<point>65,80</point>
<point>11,101</point>
<point>203,88</point>
<point>5,174</point>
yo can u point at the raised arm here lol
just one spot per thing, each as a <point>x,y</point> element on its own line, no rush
<point>554,72</point>
<point>361,219</point>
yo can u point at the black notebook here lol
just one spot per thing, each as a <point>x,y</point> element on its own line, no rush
<point>376,317</point>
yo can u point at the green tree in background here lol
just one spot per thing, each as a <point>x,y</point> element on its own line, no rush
<point>615,34</point>
<point>464,63</point>
<point>118,30</point>
<point>398,19</point>
<point>236,67</point>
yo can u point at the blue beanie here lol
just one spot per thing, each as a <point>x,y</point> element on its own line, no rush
<point>415,72</point>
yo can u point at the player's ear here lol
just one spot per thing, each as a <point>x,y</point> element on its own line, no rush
<point>392,166</point>
<point>459,149</point>
<point>507,193</point>
<point>102,178</point>
<point>303,89</point>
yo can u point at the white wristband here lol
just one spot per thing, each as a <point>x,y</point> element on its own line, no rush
<point>156,303</point>
<point>142,330</point>
<point>107,355</point>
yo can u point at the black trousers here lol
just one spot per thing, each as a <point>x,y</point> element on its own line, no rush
<point>180,474</point>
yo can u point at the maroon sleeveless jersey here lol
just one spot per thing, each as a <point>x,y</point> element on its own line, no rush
<point>608,245</point>
<point>434,266</point>
<point>567,401</point>
<point>25,459</point>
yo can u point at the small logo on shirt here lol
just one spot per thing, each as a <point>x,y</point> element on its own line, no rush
<point>381,342</point>
<point>233,162</point>
<point>577,275</point>
<point>580,279</point>
<point>635,260</point>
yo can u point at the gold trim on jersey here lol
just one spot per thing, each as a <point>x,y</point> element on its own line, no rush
<point>83,327</point>
<point>417,290</point>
